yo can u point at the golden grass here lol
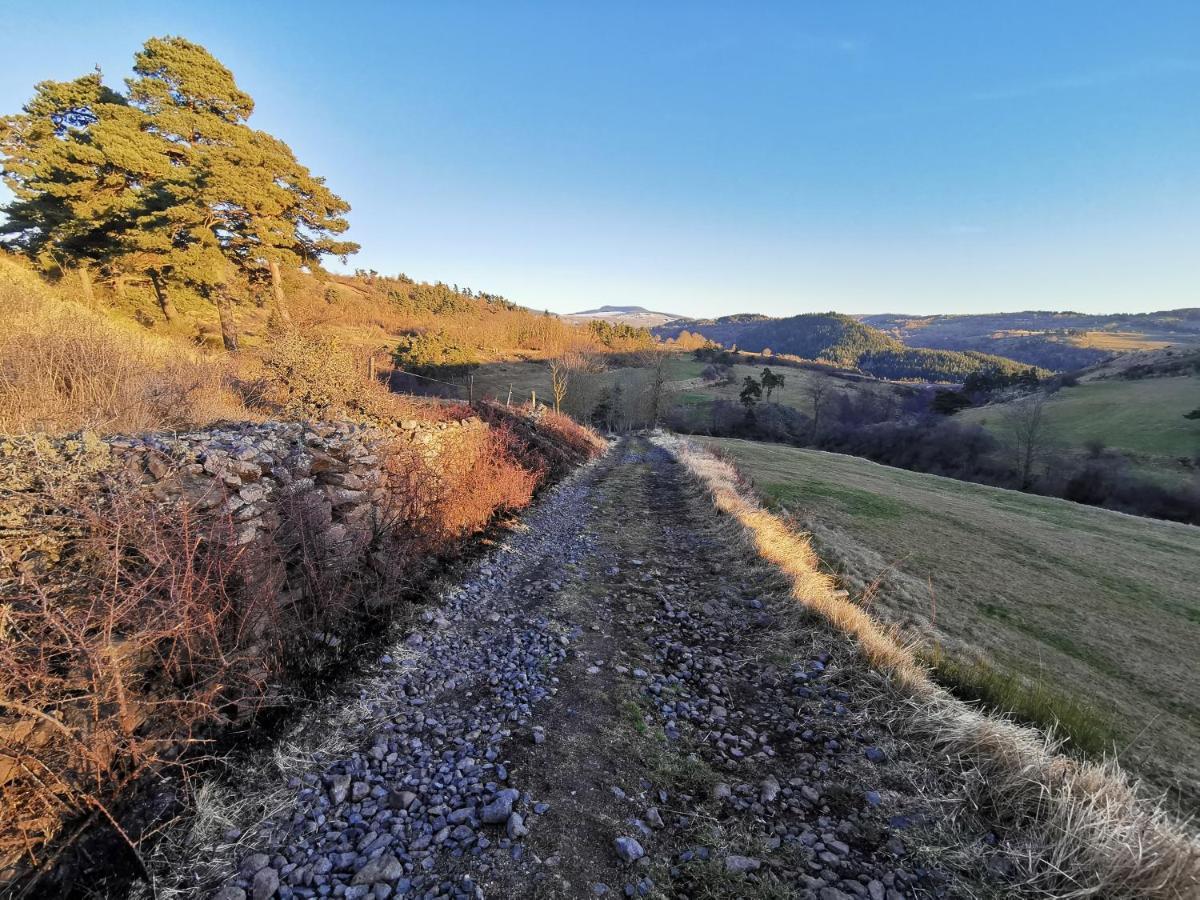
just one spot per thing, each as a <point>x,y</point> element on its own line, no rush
<point>66,368</point>
<point>1080,829</point>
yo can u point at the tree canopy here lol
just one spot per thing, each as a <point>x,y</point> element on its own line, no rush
<point>166,180</point>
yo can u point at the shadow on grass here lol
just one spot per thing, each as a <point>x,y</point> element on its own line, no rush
<point>1030,701</point>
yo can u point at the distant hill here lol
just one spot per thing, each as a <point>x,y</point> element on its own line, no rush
<point>1054,340</point>
<point>637,316</point>
<point>843,341</point>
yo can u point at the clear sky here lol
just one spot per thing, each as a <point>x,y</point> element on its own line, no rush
<point>709,158</point>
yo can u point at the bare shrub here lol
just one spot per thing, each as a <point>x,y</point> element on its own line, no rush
<point>130,651</point>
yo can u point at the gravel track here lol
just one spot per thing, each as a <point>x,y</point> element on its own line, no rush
<point>619,701</point>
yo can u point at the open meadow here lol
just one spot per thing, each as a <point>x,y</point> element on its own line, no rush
<point>1051,609</point>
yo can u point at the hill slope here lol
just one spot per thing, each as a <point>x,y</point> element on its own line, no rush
<point>844,341</point>
<point>1097,606</point>
<point>1052,340</point>
<point>637,316</point>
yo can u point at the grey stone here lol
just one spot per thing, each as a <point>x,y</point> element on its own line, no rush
<point>382,868</point>
<point>265,884</point>
<point>628,849</point>
<point>740,865</point>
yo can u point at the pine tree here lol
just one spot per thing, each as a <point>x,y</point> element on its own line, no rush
<point>74,159</point>
<point>168,181</point>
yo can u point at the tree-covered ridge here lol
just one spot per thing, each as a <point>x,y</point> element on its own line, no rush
<point>845,341</point>
<point>165,182</point>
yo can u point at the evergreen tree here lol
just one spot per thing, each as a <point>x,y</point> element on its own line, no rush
<point>74,158</point>
<point>168,181</point>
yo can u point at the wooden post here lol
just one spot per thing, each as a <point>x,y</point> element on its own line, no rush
<point>533,399</point>
<point>508,402</point>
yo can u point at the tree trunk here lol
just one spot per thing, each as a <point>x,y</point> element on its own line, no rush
<point>277,291</point>
<point>85,282</point>
<point>229,335</point>
<point>164,300</point>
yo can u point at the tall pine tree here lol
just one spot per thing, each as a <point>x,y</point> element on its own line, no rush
<point>168,181</point>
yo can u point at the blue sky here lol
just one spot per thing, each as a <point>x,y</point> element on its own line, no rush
<point>714,158</point>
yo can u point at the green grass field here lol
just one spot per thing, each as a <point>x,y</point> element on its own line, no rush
<point>1143,417</point>
<point>1045,607</point>
<point>695,396</point>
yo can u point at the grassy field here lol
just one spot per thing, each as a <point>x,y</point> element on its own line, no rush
<point>696,396</point>
<point>1141,418</point>
<point>1040,605</point>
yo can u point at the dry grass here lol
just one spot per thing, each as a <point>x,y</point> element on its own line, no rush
<point>1080,829</point>
<point>65,368</point>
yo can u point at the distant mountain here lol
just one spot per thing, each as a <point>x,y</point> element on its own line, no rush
<point>1053,340</point>
<point>624,315</point>
<point>843,341</point>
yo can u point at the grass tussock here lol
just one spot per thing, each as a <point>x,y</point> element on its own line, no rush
<point>1032,701</point>
<point>66,368</point>
<point>1075,829</point>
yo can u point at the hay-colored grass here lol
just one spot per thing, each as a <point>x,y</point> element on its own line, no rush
<point>1079,829</point>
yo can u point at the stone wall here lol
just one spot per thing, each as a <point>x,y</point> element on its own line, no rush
<point>246,471</point>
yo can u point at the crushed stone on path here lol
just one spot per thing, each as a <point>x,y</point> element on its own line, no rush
<point>620,701</point>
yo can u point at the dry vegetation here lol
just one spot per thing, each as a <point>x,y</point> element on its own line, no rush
<point>1079,829</point>
<point>64,368</point>
<point>134,634</point>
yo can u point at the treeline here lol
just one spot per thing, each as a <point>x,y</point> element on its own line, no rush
<point>905,433</point>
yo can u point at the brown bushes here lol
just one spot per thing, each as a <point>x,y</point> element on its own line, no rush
<point>143,628</point>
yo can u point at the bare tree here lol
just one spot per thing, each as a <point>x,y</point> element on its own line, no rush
<point>817,393</point>
<point>560,378</point>
<point>654,359</point>
<point>1025,427</point>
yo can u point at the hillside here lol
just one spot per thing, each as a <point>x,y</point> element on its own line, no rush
<point>843,341</point>
<point>1094,612</point>
<point>637,316</point>
<point>1135,404</point>
<point>1060,341</point>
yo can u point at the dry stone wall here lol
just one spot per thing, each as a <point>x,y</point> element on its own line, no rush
<point>246,471</point>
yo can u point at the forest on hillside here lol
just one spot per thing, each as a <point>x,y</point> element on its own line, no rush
<point>842,341</point>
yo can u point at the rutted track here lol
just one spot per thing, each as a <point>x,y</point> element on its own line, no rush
<point>619,700</point>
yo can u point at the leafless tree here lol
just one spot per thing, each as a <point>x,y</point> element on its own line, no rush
<point>1024,425</point>
<point>654,359</point>
<point>560,378</point>
<point>818,392</point>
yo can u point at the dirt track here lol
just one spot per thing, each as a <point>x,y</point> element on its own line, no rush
<point>620,701</point>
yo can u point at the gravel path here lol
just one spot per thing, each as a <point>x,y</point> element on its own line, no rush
<point>620,701</point>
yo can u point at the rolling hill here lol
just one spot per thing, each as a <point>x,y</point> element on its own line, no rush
<point>843,341</point>
<point>1053,340</point>
<point>637,316</point>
